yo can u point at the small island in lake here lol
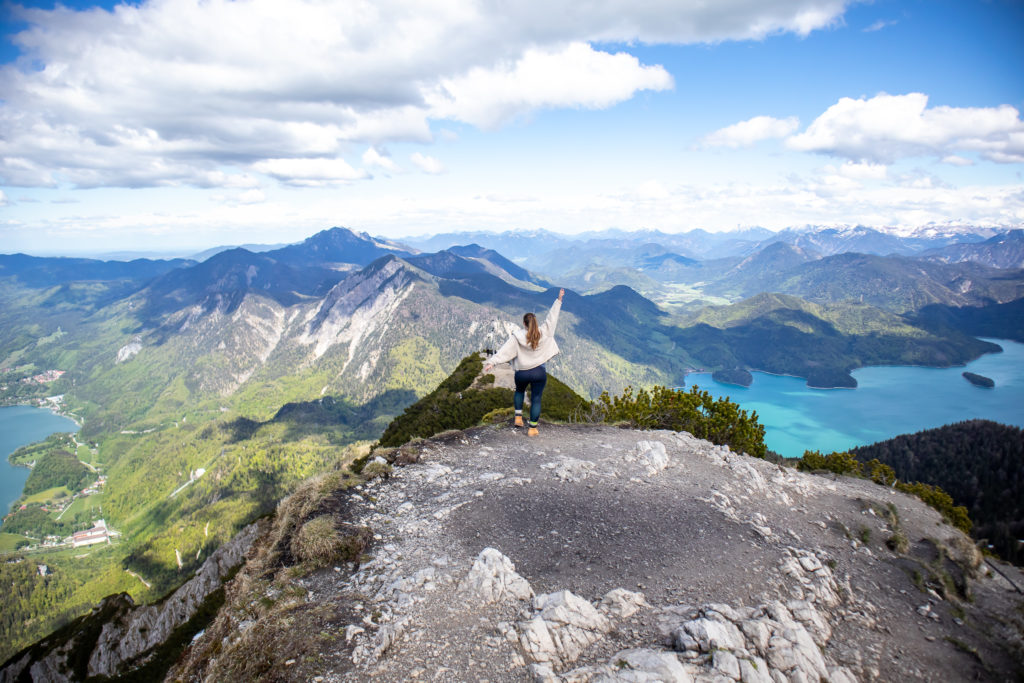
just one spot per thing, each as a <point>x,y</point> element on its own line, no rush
<point>734,376</point>
<point>831,378</point>
<point>979,380</point>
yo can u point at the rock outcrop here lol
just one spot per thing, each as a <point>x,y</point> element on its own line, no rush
<point>118,632</point>
<point>600,554</point>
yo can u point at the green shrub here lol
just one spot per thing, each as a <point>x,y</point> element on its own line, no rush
<point>561,404</point>
<point>442,410</point>
<point>941,501</point>
<point>839,463</point>
<point>697,412</point>
<point>881,473</point>
<point>463,375</point>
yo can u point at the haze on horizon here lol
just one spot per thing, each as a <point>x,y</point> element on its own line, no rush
<point>173,125</point>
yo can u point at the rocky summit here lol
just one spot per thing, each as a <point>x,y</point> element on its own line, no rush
<point>593,553</point>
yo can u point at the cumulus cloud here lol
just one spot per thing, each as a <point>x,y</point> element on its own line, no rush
<point>380,159</point>
<point>427,164</point>
<point>172,92</point>
<point>575,76</point>
<point>864,171</point>
<point>885,128</point>
<point>751,131</point>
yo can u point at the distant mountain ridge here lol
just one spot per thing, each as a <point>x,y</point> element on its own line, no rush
<point>171,372</point>
<point>36,271</point>
<point>1005,250</point>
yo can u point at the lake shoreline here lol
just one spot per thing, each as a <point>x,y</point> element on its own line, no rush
<point>992,340</point>
<point>50,409</point>
<point>779,374</point>
<point>890,400</point>
<point>29,432</point>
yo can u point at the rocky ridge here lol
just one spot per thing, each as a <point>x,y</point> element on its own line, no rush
<point>601,554</point>
<point>118,632</point>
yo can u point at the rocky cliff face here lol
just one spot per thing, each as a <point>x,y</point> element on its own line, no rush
<point>119,633</point>
<point>601,554</point>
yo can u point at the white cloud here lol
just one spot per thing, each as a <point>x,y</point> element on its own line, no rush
<point>427,164</point>
<point>168,92</point>
<point>956,160</point>
<point>751,131</point>
<point>864,171</point>
<point>574,76</point>
<point>310,172</point>
<point>830,200</point>
<point>3,198</point>
<point>254,196</point>
<point>380,159</point>
<point>885,128</point>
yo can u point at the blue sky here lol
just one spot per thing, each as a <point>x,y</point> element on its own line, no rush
<point>178,124</point>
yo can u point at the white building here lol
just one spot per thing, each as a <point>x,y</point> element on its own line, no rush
<point>97,534</point>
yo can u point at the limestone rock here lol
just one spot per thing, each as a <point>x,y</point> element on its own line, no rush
<point>726,663</point>
<point>621,603</point>
<point>651,456</point>
<point>493,578</point>
<point>563,626</point>
<point>709,634</point>
<point>637,665</point>
<point>570,469</point>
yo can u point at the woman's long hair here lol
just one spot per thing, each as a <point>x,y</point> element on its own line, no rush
<point>532,331</point>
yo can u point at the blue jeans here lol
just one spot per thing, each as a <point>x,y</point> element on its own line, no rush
<point>536,378</point>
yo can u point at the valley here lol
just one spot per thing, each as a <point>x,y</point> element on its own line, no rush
<point>259,370</point>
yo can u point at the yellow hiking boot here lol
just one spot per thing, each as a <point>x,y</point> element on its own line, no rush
<point>519,420</point>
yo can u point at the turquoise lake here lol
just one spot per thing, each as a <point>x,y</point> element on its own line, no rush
<point>888,401</point>
<point>20,426</point>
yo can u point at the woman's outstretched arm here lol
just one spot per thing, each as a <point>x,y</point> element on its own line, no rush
<point>506,353</point>
<point>552,320</point>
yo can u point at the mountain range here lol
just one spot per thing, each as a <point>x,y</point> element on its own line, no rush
<point>258,368</point>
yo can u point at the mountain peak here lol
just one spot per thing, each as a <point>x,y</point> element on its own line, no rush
<point>337,246</point>
<point>589,551</point>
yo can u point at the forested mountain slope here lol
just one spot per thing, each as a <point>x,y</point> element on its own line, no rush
<point>979,463</point>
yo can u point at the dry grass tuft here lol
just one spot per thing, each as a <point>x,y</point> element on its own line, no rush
<point>377,469</point>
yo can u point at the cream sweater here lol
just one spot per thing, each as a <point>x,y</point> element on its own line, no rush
<point>517,350</point>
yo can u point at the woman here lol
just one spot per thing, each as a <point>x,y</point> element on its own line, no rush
<point>528,349</point>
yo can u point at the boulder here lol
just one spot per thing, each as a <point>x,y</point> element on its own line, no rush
<point>493,578</point>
